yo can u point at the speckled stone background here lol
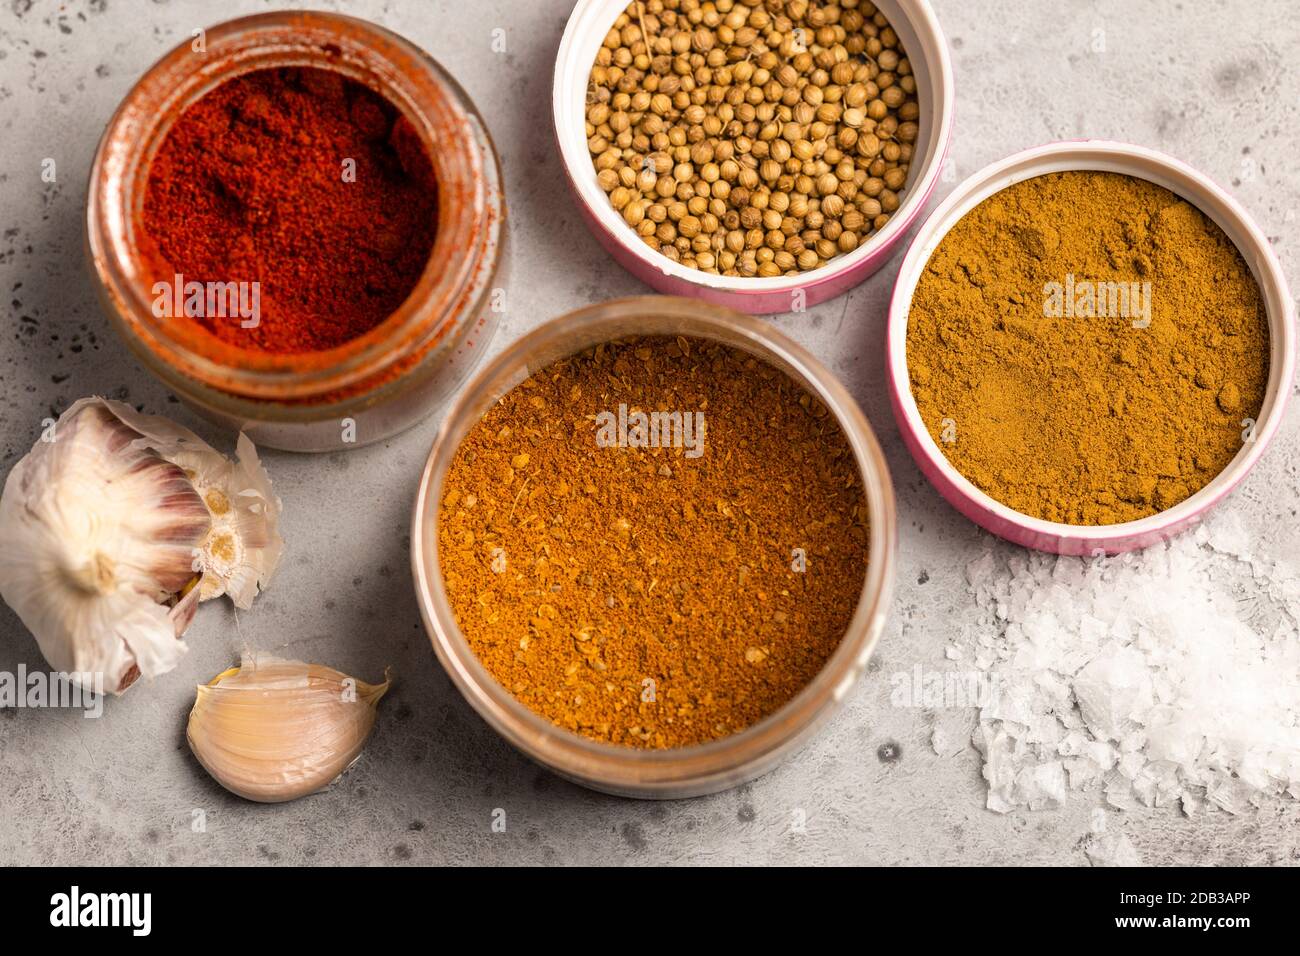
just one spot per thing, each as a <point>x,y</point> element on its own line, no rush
<point>1212,83</point>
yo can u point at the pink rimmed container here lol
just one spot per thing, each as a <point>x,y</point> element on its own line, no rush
<point>1142,163</point>
<point>918,30</point>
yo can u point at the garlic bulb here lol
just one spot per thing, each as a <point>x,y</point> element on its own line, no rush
<point>110,539</point>
<point>273,730</point>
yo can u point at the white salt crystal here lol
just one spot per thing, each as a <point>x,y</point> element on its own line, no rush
<point>940,743</point>
<point>1119,791</point>
<point>980,571</point>
<point>1082,771</point>
<point>1103,753</point>
<point>1164,777</point>
<point>1177,740</point>
<point>1172,675</point>
<point>1046,731</point>
<point>1069,573</point>
<point>1226,534</point>
<point>1228,793</point>
<point>1131,764</point>
<point>1071,744</point>
<point>1070,718</point>
<point>1041,787</point>
<point>1000,767</point>
<point>1014,701</point>
<point>1114,691</point>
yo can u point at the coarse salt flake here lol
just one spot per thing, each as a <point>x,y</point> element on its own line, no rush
<point>1169,677</point>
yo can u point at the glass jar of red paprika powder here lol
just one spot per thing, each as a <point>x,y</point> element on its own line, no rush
<point>368,387</point>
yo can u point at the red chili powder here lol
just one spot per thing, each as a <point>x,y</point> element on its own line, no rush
<point>306,182</point>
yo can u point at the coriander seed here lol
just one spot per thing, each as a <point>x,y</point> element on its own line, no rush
<point>752,137</point>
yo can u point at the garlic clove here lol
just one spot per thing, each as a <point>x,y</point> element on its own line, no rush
<point>242,550</point>
<point>272,730</point>
<point>252,526</point>
<point>98,532</point>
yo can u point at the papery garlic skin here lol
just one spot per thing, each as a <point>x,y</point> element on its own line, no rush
<point>242,550</point>
<point>96,532</point>
<point>273,730</point>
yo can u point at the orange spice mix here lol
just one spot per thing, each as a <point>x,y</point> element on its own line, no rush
<point>654,596</point>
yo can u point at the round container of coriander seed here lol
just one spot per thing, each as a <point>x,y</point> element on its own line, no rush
<point>653,546</point>
<point>764,160</point>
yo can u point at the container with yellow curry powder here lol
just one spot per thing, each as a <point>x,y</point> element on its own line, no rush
<point>654,546</point>
<point>1090,344</point>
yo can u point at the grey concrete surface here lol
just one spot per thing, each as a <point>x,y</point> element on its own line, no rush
<point>1212,83</point>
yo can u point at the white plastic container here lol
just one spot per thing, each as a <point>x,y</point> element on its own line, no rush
<point>927,50</point>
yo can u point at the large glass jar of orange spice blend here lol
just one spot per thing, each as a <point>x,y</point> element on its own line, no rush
<point>297,223</point>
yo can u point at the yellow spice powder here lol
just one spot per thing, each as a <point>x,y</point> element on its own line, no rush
<point>1088,348</point>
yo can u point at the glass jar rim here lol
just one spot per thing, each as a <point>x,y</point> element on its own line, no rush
<point>440,113</point>
<point>683,771</point>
